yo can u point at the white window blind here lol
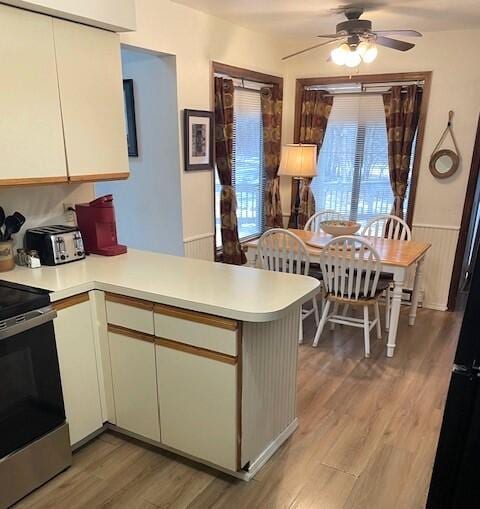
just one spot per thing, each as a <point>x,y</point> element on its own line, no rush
<point>248,173</point>
<point>353,175</point>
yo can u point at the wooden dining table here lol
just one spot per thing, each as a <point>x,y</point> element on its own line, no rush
<point>396,256</point>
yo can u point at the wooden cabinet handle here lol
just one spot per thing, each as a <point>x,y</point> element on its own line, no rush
<point>123,331</point>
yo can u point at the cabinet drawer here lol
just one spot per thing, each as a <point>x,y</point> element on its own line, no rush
<point>134,314</point>
<point>197,329</point>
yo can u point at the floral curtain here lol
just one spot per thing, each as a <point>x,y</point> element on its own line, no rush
<point>315,110</point>
<point>402,112</point>
<point>272,101</point>
<point>232,250</point>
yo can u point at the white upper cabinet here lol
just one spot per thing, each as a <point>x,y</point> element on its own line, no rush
<point>115,15</point>
<point>91,97</point>
<point>31,138</point>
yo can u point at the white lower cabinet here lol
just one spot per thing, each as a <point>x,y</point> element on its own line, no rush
<point>181,394</point>
<point>78,366</point>
<point>198,405</point>
<point>134,382</point>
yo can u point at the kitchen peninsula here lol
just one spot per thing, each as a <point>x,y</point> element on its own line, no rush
<point>196,357</point>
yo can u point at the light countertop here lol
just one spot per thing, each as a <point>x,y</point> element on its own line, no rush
<point>241,293</point>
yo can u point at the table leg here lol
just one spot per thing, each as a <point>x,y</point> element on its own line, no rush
<point>417,282</point>
<point>399,280</point>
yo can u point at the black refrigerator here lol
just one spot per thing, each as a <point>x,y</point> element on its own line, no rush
<point>456,474</point>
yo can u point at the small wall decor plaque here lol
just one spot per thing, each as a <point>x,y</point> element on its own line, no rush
<point>198,140</point>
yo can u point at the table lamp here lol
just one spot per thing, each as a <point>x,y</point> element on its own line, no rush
<point>299,162</point>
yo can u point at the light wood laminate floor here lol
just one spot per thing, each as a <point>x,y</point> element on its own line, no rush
<point>367,437</point>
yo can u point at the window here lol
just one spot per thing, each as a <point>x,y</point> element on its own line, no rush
<point>248,173</point>
<point>353,175</point>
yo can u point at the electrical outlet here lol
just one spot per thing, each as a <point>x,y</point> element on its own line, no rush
<point>69,212</point>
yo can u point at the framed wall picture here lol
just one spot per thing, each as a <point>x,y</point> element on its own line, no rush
<point>198,140</point>
<point>130,120</point>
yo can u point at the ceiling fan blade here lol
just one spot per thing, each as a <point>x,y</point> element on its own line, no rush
<point>342,33</point>
<point>394,43</point>
<point>401,33</point>
<point>311,47</point>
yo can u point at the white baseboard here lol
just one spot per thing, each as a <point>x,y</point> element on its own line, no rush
<point>435,307</point>
<point>272,448</point>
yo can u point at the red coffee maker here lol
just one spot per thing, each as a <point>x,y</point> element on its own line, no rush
<point>96,221</point>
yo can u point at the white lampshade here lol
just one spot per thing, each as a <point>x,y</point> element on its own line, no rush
<point>299,161</point>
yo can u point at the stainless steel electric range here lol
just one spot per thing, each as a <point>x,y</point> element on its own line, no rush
<point>34,440</point>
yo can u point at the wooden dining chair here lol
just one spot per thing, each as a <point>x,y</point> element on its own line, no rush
<point>281,250</point>
<point>388,227</point>
<point>351,275</point>
<point>313,224</point>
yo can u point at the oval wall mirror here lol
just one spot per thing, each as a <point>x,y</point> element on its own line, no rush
<point>444,163</point>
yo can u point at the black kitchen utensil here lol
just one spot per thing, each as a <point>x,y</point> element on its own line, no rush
<point>13,224</point>
<point>20,217</point>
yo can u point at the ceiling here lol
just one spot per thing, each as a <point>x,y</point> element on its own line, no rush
<point>307,18</point>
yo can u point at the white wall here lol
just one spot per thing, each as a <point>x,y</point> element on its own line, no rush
<point>117,15</point>
<point>148,204</point>
<point>43,204</point>
<point>196,40</point>
<point>455,86</point>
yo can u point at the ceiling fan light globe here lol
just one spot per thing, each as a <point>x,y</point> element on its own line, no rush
<point>353,59</point>
<point>339,54</point>
<point>363,47</point>
<point>370,55</point>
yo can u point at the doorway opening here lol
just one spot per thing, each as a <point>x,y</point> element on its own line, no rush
<point>469,236</point>
<point>148,205</point>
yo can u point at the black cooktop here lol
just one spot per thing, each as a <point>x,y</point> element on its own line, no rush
<point>18,299</point>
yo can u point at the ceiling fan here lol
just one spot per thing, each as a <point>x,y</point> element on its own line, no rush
<point>359,40</point>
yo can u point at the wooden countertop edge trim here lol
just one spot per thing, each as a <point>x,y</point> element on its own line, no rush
<point>129,301</point>
<point>196,350</point>
<point>70,301</point>
<point>94,177</point>
<point>123,331</point>
<point>196,316</point>
<point>33,181</point>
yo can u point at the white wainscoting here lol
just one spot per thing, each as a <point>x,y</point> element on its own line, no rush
<point>269,355</point>
<point>200,246</point>
<point>438,266</point>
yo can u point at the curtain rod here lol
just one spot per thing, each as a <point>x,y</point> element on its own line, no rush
<point>365,86</point>
<point>242,82</point>
<point>356,94</point>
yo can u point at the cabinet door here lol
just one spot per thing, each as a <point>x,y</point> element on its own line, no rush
<point>198,405</point>
<point>134,382</point>
<point>91,97</point>
<point>31,138</point>
<point>78,367</point>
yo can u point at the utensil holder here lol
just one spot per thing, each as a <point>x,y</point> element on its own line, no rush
<point>7,260</point>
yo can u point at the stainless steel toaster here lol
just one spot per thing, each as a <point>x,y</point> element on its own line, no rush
<point>55,244</point>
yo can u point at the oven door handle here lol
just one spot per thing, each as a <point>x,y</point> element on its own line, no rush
<point>31,320</point>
